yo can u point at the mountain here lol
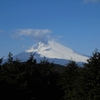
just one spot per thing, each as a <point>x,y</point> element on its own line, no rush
<point>53,51</point>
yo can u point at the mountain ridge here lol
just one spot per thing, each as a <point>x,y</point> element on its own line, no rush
<point>53,51</point>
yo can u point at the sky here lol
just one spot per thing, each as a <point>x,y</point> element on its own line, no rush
<point>73,23</point>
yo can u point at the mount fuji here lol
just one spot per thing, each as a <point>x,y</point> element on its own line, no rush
<point>52,51</point>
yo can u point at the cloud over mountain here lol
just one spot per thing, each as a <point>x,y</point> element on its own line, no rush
<point>36,34</point>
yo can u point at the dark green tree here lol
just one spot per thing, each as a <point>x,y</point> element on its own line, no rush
<point>69,78</point>
<point>10,58</point>
<point>92,76</point>
<point>1,59</point>
<point>31,59</point>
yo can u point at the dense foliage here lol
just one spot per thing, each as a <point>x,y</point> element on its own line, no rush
<point>47,81</point>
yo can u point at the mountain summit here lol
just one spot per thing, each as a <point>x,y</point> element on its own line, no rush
<point>53,51</point>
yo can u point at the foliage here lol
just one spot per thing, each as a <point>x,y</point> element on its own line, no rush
<point>92,69</point>
<point>10,58</point>
<point>29,80</point>
<point>1,59</point>
<point>48,81</point>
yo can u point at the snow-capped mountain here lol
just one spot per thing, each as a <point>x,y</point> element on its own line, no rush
<point>52,51</point>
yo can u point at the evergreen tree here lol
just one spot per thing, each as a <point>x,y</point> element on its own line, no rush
<point>10,58</point>
<point>31,59</point>
<point>92,69</point>
<point>69,78</point>
<point>1,59</point>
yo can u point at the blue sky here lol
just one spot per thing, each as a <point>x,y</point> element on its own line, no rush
<point>73,23</point>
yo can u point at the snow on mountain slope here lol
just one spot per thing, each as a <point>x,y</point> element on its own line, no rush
<point>55,50</point>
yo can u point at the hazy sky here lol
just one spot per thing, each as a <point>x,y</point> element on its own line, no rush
<point>73,23</point>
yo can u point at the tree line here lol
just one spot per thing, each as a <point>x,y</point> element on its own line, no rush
<point>30,80</point>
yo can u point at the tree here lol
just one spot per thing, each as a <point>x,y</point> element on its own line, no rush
<point>31,59</point>
<point>92,71</point>
<point>69,78</point>
<point>1,59</point>
<point>10,58</point>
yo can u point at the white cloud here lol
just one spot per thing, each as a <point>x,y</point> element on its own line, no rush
<point>93,1</point>
<point>36,34</point>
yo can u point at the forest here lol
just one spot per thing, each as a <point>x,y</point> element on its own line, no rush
<point>30,80</point>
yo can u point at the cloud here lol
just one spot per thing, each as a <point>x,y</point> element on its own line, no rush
<point>36,34</point>
<point>93,1</point>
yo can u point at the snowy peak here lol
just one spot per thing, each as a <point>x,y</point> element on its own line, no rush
<point>55,50</point>
<point>38,47</point>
